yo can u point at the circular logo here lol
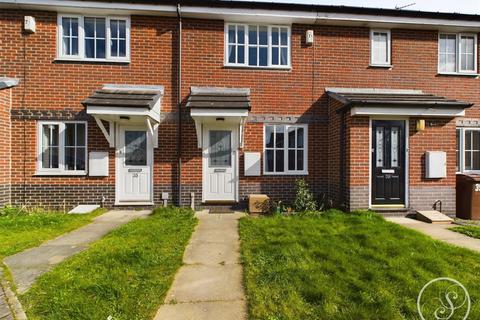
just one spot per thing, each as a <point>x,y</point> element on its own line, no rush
<point>443,299</point>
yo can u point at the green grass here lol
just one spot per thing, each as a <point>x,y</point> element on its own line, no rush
<point>471,231</point>
<point>23,229</point>
<point>345,266</point>
<point>124,275</point>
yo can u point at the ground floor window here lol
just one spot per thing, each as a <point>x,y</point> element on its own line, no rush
<point>285,149</point>
<point>468,149</point>
<point>62,147</point>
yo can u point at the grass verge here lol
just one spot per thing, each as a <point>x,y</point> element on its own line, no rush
<point>20,229</point>
<point>124,275</point>
<point>471,231</point>
<point>345,266</point>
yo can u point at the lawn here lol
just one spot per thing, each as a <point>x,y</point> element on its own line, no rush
<point>345,266</point>
<point>124,275</point>
<point>471,231</point>
<point>23,229</point>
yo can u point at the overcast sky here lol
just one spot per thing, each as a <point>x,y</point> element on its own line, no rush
<point>460,6</point>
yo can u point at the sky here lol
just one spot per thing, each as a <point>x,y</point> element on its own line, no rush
<point>459,6</point>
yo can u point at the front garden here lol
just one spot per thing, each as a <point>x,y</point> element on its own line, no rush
<point>345,266</point>
<point>22,228</point>
<point>125,275</point>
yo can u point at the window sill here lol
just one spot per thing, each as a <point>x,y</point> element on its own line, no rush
<point>462,74</point>
<point>285,173</point>
<point>60,173</point>
<point>229,66</point>
<point>81,60</point>
<point>383,66</point>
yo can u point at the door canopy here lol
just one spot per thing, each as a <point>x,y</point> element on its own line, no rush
<point>219,105</point>
<point>127,104</point>
<point>393,102</point>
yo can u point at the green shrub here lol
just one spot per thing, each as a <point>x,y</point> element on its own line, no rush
<point>304,199</point>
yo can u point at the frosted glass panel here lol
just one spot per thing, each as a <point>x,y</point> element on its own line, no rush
<point>379,146</point>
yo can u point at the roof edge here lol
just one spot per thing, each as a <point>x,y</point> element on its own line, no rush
<point>373,90</point>
<point>6,83</point>
<point>219,91</point>
<point>133,87</point>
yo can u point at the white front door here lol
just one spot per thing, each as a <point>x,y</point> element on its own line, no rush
<point>220,175</point>
<point>134,166</point>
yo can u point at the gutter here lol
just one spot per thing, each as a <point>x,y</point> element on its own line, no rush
<point>179,105</point>
<point>267,12</point>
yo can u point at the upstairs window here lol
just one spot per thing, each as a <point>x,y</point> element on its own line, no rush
<point>380,48</point>
<point>257,46</point>
<point>62,147</point>
<point>70,36</point>
<point>93,38</point>
<point>457,53</point>
<point>285,150</point>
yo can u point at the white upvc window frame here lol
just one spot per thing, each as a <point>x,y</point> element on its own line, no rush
<point>461,149</point>
<point>389,48</point>
<point>81,39</point>
<point>285,148</point>
<point>269,45</point>
<point>458,70</point>
<point>61,170</point>
<point>461,165</point>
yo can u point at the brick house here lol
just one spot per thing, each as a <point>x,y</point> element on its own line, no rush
<point>208,102</point>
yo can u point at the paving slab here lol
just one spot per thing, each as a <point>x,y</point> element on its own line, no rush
<point>28,265</point>
<point>204,311</point>
<point>199,283</point>
<point>209,285</point>
<point>439,232</point>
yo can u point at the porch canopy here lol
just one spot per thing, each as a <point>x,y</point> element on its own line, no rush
<point>392,102</point>
<point>214,105</point>
<point>135,104</point>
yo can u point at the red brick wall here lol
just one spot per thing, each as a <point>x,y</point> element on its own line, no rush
<point>54,85</point>
<point>339,58</point>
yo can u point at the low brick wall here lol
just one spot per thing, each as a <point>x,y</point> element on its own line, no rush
<point>359,197</point>
<point>62,197</point>
<point>423,198</point>
<point>4,194</point>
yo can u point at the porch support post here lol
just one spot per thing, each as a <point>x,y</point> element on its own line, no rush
<point>108,136</point>
<point>198,129</point>
<point>242,131</point>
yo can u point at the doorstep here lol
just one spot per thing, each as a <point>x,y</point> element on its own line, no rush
<point>133,203</point>
<point>391,210</point>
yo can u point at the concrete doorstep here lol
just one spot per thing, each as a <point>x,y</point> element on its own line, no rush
<point>209,285</point>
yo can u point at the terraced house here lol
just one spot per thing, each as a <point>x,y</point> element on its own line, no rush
<point>206,102</point>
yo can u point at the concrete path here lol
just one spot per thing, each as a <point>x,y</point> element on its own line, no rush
<point>5,312</point>
<point>439,232</point>
<point>28,265</point>
<point>209,285</point>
